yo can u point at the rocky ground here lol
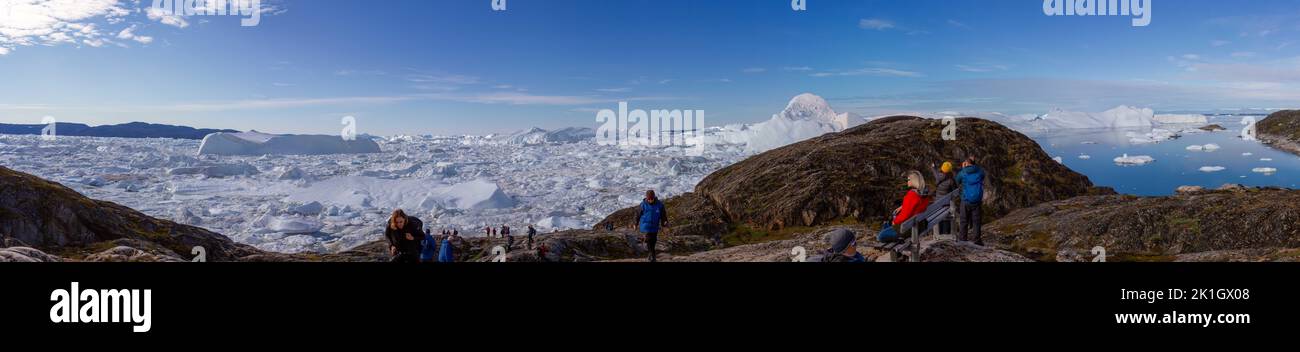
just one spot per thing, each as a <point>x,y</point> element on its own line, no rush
<point>1234,223</point>
<point>1281,130</point>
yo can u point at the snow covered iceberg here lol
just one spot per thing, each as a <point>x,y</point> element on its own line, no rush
<point>412,195</point>
<point>1120,117</point>
<point>257,143</point>
<point>806,116</point>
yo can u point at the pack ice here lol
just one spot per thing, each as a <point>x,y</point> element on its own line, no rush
<point>256,143</point>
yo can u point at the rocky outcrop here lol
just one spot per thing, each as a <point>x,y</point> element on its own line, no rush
<point>1281,130</point>
<point>690,214</point>
<point>857,176</point>
<point>813,242</point>
<point>55,219</point>
<point>1233,223</point>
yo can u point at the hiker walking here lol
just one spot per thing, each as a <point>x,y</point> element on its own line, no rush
<point>651,216</point>
<point>971,179</point>
<point>404,234</point>
<point>446,251</point>
<point>531,232</point>
<point>944,185</point>
<point>510,240</point>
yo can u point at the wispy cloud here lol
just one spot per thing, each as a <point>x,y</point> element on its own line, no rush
<point>878,24</point>
<point>982,68</point>
<point>798,68</point>
<point>754,70</point>
<point>614,90</point>
<point>870,71</point>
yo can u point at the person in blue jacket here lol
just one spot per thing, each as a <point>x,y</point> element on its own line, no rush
<point>651,217</point>
<point>428,247</point>
<point>446,250</point>
<point>971,180</point>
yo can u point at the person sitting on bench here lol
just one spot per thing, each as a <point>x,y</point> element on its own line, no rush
<point>914,203</point>
<point>844,247</point>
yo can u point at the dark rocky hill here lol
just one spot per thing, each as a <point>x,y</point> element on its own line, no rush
<point>1282,130</point>
<point>857,176</point>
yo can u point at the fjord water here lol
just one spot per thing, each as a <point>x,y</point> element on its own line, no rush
<point>1174,165</point>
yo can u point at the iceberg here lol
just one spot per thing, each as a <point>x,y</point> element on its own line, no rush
<point>1134,160</point>
<point>412,195</point>
<point>1212,168</point>
<point>1189,119</point>
<point>806,116</point>
<point>1120,117</point>
<point>257,143</point>
<point>1264,170</point>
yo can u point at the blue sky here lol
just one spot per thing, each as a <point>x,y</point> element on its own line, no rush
<point>456,66</point>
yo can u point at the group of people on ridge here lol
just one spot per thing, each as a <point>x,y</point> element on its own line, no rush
<point>410,242</point>
<point>968,181</point>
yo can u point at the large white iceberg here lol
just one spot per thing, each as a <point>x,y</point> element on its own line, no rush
<point>806,116</point>
<point>412,195</point>
<point>1181,119</point>
<point>257,143</point>
<point>1119,117</point>
<point>536,136</point>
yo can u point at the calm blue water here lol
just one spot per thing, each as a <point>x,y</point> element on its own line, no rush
<point>1175,165</point>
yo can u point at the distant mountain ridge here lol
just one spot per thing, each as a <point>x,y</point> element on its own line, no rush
<point>126,130</point>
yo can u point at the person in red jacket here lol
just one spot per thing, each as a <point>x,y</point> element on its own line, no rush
<point>914,203</point>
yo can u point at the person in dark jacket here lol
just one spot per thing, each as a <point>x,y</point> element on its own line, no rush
<point>971,179</point>
<point>944,185</point>
<point>404,234</point>
<point>844,247</point>
<point>510,240</point>
<point>531,232</point>
<point>651,217</point>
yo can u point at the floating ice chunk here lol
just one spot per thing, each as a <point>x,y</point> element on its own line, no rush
<point>312,208</point>
<point>1211,147</point>
<point>1085,156</point>
<point>1155,136</point>
<point>1181,119</point>
<point>292,173</point>
<point>559,223</point>
<point>1247,154</point>
<point>1196,148</point>
<point>216,170</point>
<point>294,224</point>
<point>1265,159</point>
<point>1212,168</point>
<point>1264,170</point>
<point>1208,147</point>
<point>1134,160</point>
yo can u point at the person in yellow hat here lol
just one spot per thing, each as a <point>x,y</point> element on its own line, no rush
<point>944,184</point>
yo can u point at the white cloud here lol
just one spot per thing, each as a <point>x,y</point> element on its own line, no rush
<point>871,71</point>
<point>169,19</point>
<point>129,34</point>
<point>875,24</point>
<point>754,70</point>
<point>982,68</point>
<point>798,68</point>
<point>54,22</point>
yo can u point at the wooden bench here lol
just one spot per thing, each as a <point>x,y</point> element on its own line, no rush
<point>940,209</point>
